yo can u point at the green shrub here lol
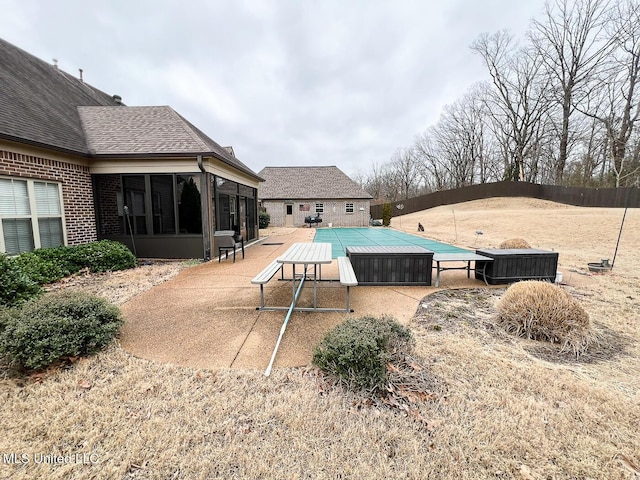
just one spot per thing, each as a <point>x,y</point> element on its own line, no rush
<point>39,269</point>
<point>103,256</point>
<point>15,286</point>
<point>6,314</point>
<point>263,219</point>
<point>56,326</point>
<point>387,213</point>
<point>358,350</point>
<point>59,258</point>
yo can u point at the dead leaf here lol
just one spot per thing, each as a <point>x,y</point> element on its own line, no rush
<point>416,367</point>
<point>84,384</point>
<point>392,368</point>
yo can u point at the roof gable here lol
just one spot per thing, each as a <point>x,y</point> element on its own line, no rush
<point>137,130</point>
<point>38,101</point>
<point>144,131</point>
<point>308,183</point>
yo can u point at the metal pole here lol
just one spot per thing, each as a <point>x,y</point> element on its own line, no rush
<point>267,372</point>
<point>621,225</point>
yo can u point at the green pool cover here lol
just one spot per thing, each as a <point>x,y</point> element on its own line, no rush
<point>340,238</point>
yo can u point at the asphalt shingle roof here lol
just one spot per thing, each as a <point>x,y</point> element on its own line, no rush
<point>144,131</point>
<point>308,183</point>
<point>42,105</point>
<point>38,101</point>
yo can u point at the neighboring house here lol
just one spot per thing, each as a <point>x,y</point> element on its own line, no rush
<point>289,194</point>
<point>78,165</point>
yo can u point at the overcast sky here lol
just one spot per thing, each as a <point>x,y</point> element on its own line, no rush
<point>292,82</point>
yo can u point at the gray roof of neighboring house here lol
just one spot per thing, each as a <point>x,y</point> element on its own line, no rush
<point>44,106</point>
<point>308,183</point>
<point>38,102</point>
<point>148,131</point>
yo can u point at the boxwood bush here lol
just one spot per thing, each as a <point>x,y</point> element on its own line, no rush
<point>21,276</point>
<point>263,220</point>
<point>56,326</point>
<point>103,256</point>
<point>15,285</point>
<point>358,350</point>
<point>40,269</point>
<point>58,259</point>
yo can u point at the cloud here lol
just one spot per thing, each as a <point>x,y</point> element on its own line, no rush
<point>285,82</point>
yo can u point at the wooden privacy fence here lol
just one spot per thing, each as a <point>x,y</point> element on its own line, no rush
<point>582,197</point>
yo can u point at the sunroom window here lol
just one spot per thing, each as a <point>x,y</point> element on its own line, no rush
<point>31,215</point>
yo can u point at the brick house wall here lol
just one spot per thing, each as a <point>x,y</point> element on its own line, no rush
<point>334,212</point>
<point>77,191</point>
<point>107,187</point>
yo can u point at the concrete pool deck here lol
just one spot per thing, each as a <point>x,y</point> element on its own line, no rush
<point>206,316</point>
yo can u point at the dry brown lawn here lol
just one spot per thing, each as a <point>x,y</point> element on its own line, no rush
<point>509,407</point>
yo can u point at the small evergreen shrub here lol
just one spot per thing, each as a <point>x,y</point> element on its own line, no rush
<point>358,350</point>
<point>263,219</point>
<point>60,258</point>
<point>387,213</point>
<point>58,325</point>
<point>103,256</point>
<point>5,315</point>
<point>543,311</point>
<point>515,243</point>
<point>40,269</point>
<point>15,285</point>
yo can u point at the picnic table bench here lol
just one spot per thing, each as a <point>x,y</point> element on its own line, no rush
<point>307,254</point>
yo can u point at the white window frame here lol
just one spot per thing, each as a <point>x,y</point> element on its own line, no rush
<point>349,209</point>
<point>319,207</point>
<point>33,211</point>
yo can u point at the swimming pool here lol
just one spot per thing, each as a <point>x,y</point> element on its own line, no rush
<point>367,237</point>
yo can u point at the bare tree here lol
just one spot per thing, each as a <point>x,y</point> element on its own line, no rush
<point>573,44</point>
<point>431,166</point>
<point>615,99</point>
<point>518,102</point>
<point>403,169</point>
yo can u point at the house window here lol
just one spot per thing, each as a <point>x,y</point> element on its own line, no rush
<point>31,215</point>
<point>319,207</point>
<point>348,207</point>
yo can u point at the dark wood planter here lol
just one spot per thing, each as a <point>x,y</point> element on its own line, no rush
<point>410,265</point>
<point>514,264</point>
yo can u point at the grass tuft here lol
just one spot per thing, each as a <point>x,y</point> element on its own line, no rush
<point>515,243</point>
<point>543,311</point>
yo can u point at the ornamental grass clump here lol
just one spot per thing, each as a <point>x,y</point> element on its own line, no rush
<point>543,311</point>
<point>515,243</point>
<point>357,351</point>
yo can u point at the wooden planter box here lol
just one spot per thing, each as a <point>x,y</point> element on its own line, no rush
<point>514,264</point>
<point>410,265</point>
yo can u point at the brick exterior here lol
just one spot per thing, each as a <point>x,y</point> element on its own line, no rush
<point>334,212</point>
<point>77,191</point>
<point>107,187</point>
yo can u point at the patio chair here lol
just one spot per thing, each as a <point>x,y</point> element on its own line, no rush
<point>228,243</point>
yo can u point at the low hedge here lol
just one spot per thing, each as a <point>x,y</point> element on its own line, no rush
<point>56,326</point>
<point>22,276</point>
<point>103,256</point>
<point>16,287</point>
